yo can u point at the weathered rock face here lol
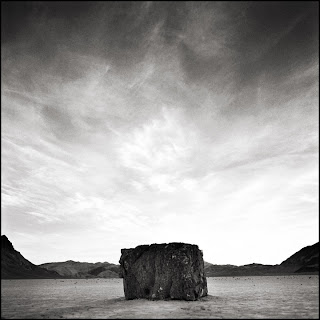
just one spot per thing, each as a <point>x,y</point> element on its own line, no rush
<point>163,271</point>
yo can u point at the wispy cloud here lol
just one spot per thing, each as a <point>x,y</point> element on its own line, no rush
<point>177,122</point>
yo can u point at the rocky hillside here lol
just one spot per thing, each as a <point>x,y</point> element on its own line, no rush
<point>15,266</point>
<point>305,260</point>
<point>75,269</point>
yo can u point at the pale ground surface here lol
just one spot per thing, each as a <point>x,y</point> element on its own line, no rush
<point>229,297</point>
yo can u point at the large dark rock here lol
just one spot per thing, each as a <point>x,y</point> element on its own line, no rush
<point>163,271</point>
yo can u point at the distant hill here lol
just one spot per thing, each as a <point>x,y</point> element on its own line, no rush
<point>214,270</point>
<point>15,266</point>
<point>305,260</point>
<point>75,269</point>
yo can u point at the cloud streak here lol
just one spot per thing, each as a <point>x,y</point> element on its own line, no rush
<point>131,123</point>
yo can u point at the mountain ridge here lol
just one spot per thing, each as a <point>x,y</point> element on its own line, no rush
<point>304,261</point>
<point>76,269</point>
<point>14,265</point>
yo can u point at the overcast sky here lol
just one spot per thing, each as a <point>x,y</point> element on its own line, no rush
<point>129,123</point>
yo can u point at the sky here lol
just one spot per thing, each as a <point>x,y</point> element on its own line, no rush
<point>129,123</point>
